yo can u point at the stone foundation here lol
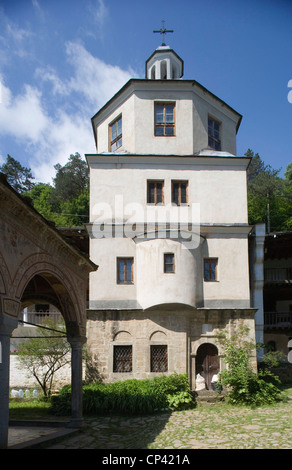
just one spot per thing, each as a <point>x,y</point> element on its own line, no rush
<point>181,329</point>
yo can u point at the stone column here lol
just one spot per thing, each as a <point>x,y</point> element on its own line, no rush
<point>7,325</point>
<point>76,380</point>
<point>257,281</point>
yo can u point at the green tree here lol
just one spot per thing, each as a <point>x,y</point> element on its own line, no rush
<point>42,199</point>
<point>66,203</point>
<point>18,176</point>
<point>288,173</point>
<point>75,212</point>
<point>269,196</point>
<point>45,354</point>
<point>72,179</point>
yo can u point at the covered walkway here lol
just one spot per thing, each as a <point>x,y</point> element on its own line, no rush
<point>38,265</point>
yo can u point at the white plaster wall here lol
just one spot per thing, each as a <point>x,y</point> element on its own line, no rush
<point>192,107</point>
<point>145,140</point>
<point>232,271</point>
<point>103,282</point>
<point>204,106</point>
<point>20,378</point>
<point>119,186</point>
<point>155,287</point>
<point>126,108</point>
<point>220,189</point>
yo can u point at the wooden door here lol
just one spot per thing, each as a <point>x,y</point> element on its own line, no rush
<point>207,362</point>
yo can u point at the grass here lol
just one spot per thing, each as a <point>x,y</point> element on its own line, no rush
<point>22,408</point>
<point>29,409</point>
<point>207,426</point>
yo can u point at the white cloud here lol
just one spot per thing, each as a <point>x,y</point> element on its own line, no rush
<point>48,74</point>
<point>95,79</point>
<point>16,40</point>
<point>22,115</point>
<point>99,12</point>
<point>91,77</point>
<point>50,138</point>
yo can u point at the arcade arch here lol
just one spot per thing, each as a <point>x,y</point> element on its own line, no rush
<point>38,264</point>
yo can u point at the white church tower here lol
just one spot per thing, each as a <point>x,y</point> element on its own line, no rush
<point>168,227</point>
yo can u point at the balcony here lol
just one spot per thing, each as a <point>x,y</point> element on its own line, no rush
<point>38,318</point>
<point>278,275</point>
<point>279,320</point>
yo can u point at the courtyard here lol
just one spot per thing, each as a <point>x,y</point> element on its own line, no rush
<point>209,426</point>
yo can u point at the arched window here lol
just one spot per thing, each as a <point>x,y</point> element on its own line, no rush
<point>174,71</point>
<point>163,70</point>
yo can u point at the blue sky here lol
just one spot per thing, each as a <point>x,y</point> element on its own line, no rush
<point>61,60</point>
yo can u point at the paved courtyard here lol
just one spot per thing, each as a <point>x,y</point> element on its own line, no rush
<point>206,427</point>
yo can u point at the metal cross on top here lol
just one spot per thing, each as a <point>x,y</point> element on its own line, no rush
<point>163,31</point>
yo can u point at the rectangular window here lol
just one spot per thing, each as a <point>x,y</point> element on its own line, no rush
<point>158,358</point>
<point>115,132</point>
<point>214,134</point>
<point>125,270</point>
<point>210,269</point>
<point>179,192</point>
<point>122,359</point>
<point>168,262</point>
<point>164,119</point>
<point>155,192</point>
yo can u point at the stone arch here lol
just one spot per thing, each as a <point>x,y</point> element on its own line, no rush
<point>158,335</point>
<point>203,340</point>
<point>5,279</point>
<point>37,277</point>
<point>122,335</point>
<point>207,362</point>
<point>37,262</point>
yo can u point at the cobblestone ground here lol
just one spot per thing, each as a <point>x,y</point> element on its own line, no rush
<point>206,427</point>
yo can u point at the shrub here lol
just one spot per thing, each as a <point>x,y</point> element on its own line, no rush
<point>246,387</point>
<point>180,400</point>
<point>129,396</point>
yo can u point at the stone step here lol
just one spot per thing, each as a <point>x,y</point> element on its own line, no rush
<point>208,396</point>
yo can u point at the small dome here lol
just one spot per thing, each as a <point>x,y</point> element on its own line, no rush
<point>164,64</point>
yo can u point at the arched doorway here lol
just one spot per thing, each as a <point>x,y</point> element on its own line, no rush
<point>207,362</point>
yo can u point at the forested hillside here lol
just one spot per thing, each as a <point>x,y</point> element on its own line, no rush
<point>66,200</point>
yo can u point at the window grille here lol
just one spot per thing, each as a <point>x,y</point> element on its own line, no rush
<point>159,358</point>
<point>122,358</point>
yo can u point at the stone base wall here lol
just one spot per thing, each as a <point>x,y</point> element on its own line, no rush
<point>183,330</point>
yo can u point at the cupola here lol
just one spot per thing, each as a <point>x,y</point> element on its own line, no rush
<point>164,64</point>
